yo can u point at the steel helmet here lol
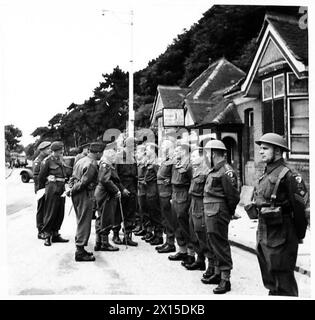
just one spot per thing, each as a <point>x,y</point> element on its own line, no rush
<point>273,139</point>
<point>215,144</point>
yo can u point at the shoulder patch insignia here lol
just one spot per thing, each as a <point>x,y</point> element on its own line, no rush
<point>298,179</point>
<point>229,173</point>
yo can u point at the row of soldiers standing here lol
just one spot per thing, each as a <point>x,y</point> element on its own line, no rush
<point>190,195</point>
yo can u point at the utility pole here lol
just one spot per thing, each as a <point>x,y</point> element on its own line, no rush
<point>131,112</point>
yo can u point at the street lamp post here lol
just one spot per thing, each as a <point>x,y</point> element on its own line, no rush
<point>131,113</point>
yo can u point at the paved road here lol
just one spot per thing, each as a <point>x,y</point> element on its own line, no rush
<point>34,269</point>
<point>19,195</point>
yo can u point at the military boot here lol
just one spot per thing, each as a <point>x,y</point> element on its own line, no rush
<point>116,238</point>
<point>214,279</point>
<point>161,247</point>
<point>129,241</point>
<point>82,255</point>
<point>188,261</point>
<point>106,246</point>
<point>197,265</point>
<point>209,272</point>
<point>156,240</point>
<point>47,240</point>
<point>223,287</point>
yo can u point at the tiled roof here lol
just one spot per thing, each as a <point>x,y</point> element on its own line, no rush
<point>235,87</point>
<point>220,74</point>
<point>216,110</point>
<point>292,34</point>
<point>172,96</point>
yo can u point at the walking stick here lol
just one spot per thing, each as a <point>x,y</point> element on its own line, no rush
<point>123,220</point>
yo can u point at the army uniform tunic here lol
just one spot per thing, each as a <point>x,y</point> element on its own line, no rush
<point>164,176</point>
<point>220,200</point>
<point>84,180</point>
<point>196,214</point>
<point>127,172</point>
<point>152,198</point>
<point>54,203</point>
<point>277,236</point>
<point>106,200</point>
<point>41,202</point>
<point>181,177</point>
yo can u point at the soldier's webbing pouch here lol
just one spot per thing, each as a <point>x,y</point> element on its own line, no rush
<point>273,214</point>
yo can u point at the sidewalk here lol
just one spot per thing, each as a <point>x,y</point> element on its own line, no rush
<point>242,234</point>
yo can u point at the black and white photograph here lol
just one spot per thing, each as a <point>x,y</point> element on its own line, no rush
<point>155,150</point>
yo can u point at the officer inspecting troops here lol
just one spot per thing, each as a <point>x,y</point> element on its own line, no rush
<point>279,200</point>
<point>108,194</point>
<point>221,197</point>
<point>52,176</point>
<point>83,183</point>
<point>126,166</point>
<point>44,151</point>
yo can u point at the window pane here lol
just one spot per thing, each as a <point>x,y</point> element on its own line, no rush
<point>299,145</point>
<point>267,117</point>
<point>267,89</point>
<point>279,86</point>
<point>279,116</point>
<point>299,126</point>
<point>299,108</point>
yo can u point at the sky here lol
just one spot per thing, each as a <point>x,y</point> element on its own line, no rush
<point>53,53</point>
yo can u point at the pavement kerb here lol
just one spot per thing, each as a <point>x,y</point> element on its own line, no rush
<point>253,251</point>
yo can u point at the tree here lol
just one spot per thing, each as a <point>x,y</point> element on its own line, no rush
<point>12,134</point>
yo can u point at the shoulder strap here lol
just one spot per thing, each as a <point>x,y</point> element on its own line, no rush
<point>283,172</point>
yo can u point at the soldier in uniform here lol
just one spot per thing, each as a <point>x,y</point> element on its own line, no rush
<point>281,227</point>
<point>44,151</point>
<point>181,177</point>
<point>141,169</point>
<point>127,171</point>
<point>83,183</point>
<point>164,176</point>
<point>196,212</point>
<point>53,176</point>
<point>221,197</point>
<point>107,194</point>
<point>152,197</point>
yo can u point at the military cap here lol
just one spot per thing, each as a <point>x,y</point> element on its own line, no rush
<point>56,145</point>
<point>97,147</point>
<point>43,145</point>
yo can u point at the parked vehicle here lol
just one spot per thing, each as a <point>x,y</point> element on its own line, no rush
<point>26,174</point>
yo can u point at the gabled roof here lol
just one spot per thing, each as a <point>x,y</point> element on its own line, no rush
<point>289,39</point>
<point>216,110</point>
<point>172,96</point>
<point>220,74</point>
<point>289,29</point>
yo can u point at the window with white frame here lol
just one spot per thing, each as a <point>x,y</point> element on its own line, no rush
<point>298,126</point>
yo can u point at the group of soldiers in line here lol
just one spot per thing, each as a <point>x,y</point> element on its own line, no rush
<point>189,194</point>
